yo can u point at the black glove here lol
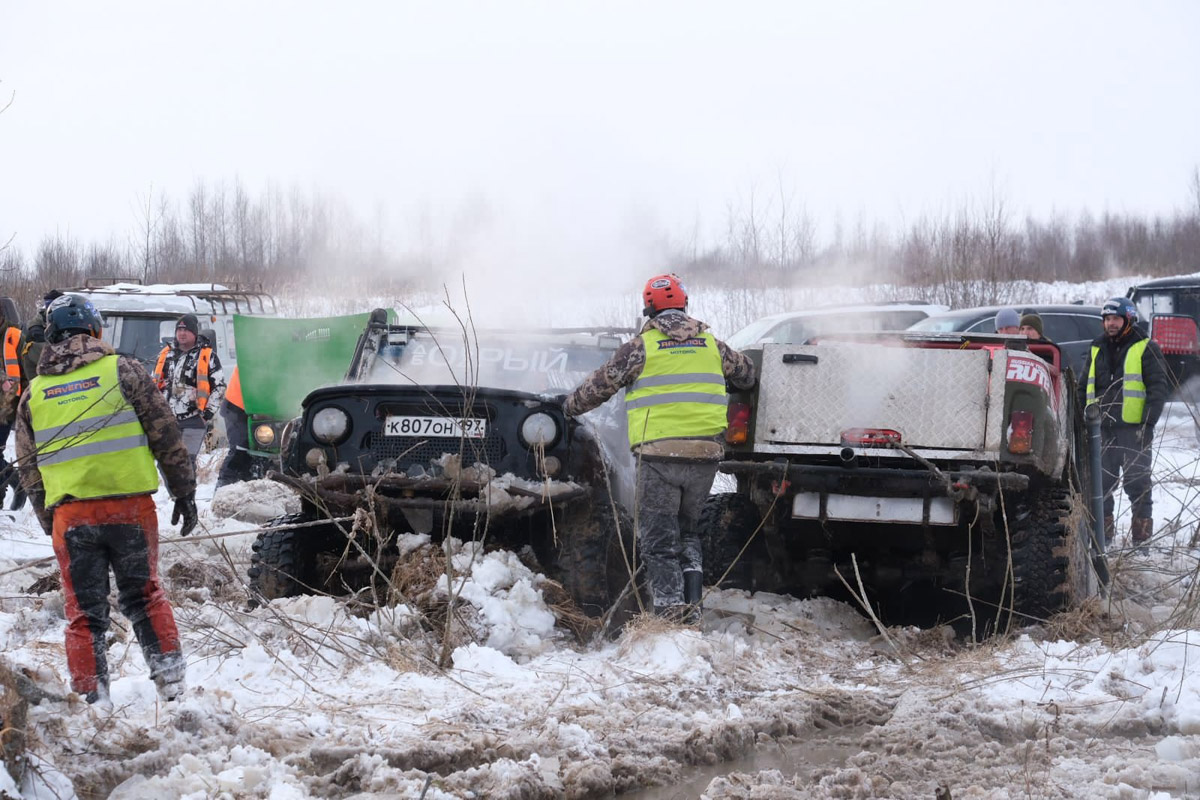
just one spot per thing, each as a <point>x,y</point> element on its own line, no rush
<point>185,508</point>
<point>1146,435</point>
<point>207,416</point>
<point>19,498</point>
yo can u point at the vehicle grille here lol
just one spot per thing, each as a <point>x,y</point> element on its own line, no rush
<point>414,450</point>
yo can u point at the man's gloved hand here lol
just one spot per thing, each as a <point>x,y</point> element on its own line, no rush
<point>19,497</point>
<point>185,508</point>
<point>1146,435</point>
<point>207,416</point>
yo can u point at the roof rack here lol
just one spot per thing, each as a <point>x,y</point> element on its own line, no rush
<point>239,297</point>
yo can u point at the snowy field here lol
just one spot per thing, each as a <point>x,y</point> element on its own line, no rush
<point>777,698</point>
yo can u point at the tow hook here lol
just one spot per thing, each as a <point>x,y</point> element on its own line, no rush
<point>779,488</point>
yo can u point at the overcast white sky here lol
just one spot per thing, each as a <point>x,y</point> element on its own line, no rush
<point>587,127</point>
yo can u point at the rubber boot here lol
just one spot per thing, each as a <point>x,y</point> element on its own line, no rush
<point>1140,530</point>
<point>693,593</point>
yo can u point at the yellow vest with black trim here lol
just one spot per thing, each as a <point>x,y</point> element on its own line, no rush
<point>89,440</point>
<point>1133,384</point>
<point>681,391</point>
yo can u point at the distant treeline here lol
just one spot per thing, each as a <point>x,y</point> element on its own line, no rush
<point>968,256</point>
<point>973,255</point>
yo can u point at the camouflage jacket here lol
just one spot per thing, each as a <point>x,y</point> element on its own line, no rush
<point>179,380</point>
<point>162,431</point>
<point>628,361</point>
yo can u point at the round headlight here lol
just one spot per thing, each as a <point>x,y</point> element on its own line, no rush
<point>330,424</point>
<point>264,434</point>
<point>539,429</point>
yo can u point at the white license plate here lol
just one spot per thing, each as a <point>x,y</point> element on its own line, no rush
<point>441,427</point>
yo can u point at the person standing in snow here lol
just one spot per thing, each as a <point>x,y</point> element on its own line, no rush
<point>190,377</point>
<point>1127,377</point>
<point>239,464</point>
<point>674,376</point>
<point>12,383</point>
<point>89,432</point>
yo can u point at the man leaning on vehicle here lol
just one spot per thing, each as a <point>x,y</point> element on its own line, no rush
<point>1127,377</point>
<point>674,374</point>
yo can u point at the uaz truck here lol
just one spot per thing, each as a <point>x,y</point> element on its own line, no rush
<point>935,476</point>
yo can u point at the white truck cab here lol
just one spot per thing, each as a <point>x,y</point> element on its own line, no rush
<point>140,318</point>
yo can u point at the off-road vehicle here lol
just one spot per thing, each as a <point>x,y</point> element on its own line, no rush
<point>938,473</point>
<point>452,433</point>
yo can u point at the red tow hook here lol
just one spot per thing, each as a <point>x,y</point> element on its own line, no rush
<point>779,488</point>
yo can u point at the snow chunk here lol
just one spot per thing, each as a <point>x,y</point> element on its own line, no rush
<point>256,501</point>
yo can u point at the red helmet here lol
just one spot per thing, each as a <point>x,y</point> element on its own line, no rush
<point>663,292</point>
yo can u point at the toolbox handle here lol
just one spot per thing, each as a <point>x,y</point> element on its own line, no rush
<point>801,358</point>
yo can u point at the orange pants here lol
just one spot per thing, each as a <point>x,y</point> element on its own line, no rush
<point>90,538</point>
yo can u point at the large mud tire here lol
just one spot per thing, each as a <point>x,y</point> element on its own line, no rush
<point>1051,564</point>
<point>727,522</point>
<point>595,558</point>
<point>284,562</point>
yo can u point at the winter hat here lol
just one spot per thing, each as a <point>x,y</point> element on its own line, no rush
<point>189,322</point>
<point>1007,318</point>
<point>1033,321</point>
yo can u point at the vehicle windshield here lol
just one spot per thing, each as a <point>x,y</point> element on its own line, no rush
<point>143,337</point>
<point>534,363</point>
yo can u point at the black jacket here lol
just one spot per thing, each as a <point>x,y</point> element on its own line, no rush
<point>1110,374</point>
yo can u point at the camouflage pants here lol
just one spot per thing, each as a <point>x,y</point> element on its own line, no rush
<point>670,495</point>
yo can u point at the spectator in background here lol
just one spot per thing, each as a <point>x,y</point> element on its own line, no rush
<point>189,375</point>
<point>1008,321</point>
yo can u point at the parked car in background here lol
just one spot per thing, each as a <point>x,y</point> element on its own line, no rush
<point>797,327</point>
<point>1071,327</point>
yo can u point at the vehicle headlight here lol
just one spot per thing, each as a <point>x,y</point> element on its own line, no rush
<point>264,434</point>
<point>539,428</point>
<point>330,424</point>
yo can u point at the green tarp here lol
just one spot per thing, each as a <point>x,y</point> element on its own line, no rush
<point>281,360</point>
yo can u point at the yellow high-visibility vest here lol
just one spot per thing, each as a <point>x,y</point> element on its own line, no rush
<point>681,391</point>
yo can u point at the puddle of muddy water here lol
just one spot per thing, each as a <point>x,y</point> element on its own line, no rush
<point>825,750</point>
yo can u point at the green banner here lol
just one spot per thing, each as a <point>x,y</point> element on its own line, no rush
<point>281,360</point>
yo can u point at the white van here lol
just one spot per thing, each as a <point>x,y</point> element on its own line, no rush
<point>140,318</point>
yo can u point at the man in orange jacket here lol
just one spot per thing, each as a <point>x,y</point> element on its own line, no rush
<point>189,375</point>
<point>238,463</point>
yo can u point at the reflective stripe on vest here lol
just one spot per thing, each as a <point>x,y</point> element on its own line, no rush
<point>12,358</point>
<point>89,440</point>
<point>1133,383</point>
<point>203,387</point>
<point>681,391</point>
<point>233,391</point>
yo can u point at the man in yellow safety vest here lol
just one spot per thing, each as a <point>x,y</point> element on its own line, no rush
<point>674,375</point>
<point>89,430</point>
<point>1127,377</point>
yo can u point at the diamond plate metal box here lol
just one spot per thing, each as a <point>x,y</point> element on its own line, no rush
<point>935,398</point>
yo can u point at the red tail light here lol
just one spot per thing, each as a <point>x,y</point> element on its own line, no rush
<point>1020,432</point>
<point>738,416</point>
<point>870,437</point>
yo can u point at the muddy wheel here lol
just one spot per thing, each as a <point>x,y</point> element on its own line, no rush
<point>727,522</point>
<point>284,562</point>
<point>594,562</point>
<point>1051,562</point>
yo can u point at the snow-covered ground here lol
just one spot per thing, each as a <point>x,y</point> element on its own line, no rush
<point>775,698</point>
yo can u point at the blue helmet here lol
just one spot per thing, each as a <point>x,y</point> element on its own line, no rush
<point>1120,307</point>
<point>71,314</point>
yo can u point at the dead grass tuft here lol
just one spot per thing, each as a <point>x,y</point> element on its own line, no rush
<point>50,582</point>
<point>567,612</point>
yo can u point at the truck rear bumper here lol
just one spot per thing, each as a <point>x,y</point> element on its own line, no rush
<point>880,481</point>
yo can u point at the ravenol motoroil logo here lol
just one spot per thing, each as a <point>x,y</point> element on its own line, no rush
<point>74,387</point>
<point>671,344</point>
